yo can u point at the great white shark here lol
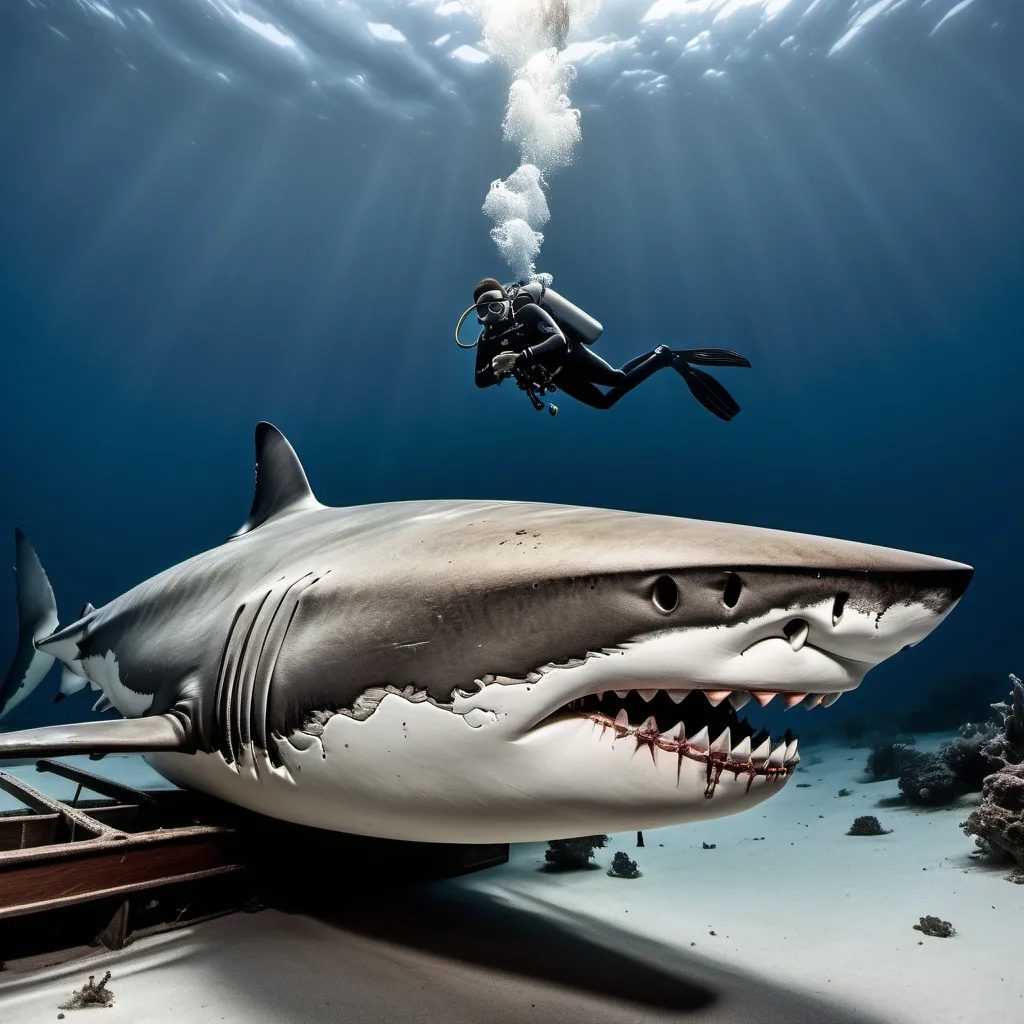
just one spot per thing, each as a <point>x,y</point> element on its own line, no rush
<point>473,671</point>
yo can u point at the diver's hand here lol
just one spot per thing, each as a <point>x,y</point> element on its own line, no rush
<point>503,362</point>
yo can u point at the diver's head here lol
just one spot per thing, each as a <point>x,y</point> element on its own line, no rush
<point>492,304</point>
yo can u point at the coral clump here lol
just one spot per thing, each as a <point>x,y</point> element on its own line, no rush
<point>867,825</point>
<point>623,867</point>
<point>573,854</point>
<point>91,995</point>
<point>1008,745</point>
<point>929,780</point>
<point>999,820</point>
<point>890,760</point>
<point>961,765</point>
<point>935,927</point>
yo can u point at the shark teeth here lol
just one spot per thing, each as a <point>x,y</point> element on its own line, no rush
<point>715,697</point>
<point>762,760</point>
<point>700,741</point>
<point>724,743</point>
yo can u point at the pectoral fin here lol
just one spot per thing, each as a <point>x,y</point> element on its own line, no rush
<point>125,736</point>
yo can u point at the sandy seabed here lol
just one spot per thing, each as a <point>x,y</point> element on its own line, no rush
<point>786,919</point>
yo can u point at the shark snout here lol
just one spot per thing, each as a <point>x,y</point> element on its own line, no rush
<point>868,618</point>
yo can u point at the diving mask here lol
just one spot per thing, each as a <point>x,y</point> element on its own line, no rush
<point>492,307</point>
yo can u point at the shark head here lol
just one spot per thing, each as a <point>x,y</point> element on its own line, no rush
<point>581,670</point>
<point>504,671</point>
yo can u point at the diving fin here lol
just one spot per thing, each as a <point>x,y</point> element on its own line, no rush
<point>124,736</point>
<point>37,618</point>
<point>712,356</point>
<point>707,391</point>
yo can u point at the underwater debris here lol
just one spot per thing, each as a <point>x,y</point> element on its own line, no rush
<point>709,846</point>
<point>623,867</point>
<point>935,927</point>
<point>843,792</point>
<point>90,995</point>
<point>573,854</point>
<point>867,825</point>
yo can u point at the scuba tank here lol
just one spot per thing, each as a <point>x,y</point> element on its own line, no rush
<point>575,324</point>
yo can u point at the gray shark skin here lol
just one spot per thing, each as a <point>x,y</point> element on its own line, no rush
<point>477,671</point>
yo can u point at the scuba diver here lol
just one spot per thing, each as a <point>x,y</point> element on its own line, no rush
<point>533,334</point>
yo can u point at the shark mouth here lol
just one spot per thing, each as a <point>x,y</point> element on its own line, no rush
<point>699,725</point>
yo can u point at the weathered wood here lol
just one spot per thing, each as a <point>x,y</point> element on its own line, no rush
<point>97,783</point>
<point>115,935</point>
<point>107,868</point>
<point>17,833</point>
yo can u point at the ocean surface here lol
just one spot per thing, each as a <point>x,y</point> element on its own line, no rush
<point>215,212</point>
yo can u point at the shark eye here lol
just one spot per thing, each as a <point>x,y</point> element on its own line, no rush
<point>665,594</point>
<point>733,589</point>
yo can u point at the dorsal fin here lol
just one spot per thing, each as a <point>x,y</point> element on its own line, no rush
<point>281,484</point>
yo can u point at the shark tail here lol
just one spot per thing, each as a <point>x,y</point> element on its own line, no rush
<point>37,618</point>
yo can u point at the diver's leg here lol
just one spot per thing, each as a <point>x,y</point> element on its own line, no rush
<point>634,363</point>
<point>634,373</point>
<point>588,365</point>
<point>583,391</point>
<point>578,383</point>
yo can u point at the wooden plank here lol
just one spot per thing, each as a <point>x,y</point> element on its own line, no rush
<point>43,804</point>
<point>96,783</point>
<point>107,869</point>
<point>28,830</point>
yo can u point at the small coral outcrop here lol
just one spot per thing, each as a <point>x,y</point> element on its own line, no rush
<point>867,825</point>
<point>935,927</point>
<point>573,854</point>
<point>91,994</point>
<point>623,867</point>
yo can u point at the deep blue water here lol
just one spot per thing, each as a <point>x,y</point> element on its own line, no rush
<point>179,260</point>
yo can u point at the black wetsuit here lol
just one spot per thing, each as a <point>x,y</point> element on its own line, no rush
<point>575,367</point>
